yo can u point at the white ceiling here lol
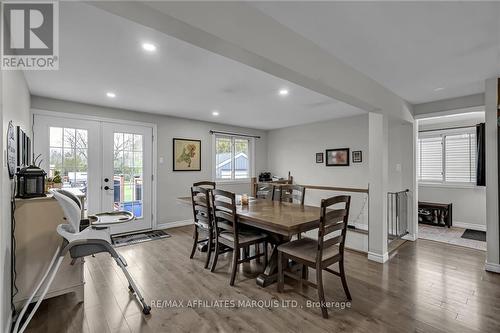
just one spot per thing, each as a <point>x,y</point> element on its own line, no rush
<point>411,48</point>
<point>100,52</point>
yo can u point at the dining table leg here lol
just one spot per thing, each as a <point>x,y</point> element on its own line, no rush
<point>270,274</point>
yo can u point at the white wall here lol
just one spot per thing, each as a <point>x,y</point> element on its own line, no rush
<point>170,184</point>
<point>469,202</point>
<point>294,149</point>
<point>492,209</point>
<point>15,107</point>
<point>400,165</point>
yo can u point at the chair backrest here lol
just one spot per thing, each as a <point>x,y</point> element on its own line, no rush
<point>224,205</point>
<point>71,207</point>
<point>205,184</point>
<point>202,206</point>
<point>292,193</point>
<point>265,191</point>
<point>333,220</point>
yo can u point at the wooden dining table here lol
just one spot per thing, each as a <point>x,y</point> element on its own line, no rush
<point>280,220</point>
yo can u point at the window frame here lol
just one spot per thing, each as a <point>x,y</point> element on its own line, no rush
<point>251,157</point>
<point>443,134</point>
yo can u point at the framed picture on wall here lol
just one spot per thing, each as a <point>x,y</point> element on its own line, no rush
<point>337,157</point>
<point>23,148</point>
<point>319,157</point>
<point>357,156</point>
<point>186,155</point>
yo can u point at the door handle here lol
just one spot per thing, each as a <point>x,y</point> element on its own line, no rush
<point>107,188</point>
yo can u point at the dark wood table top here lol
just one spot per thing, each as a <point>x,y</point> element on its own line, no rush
<point>283,218</point>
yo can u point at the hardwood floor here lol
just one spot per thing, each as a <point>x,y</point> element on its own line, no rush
<point>425,287</point>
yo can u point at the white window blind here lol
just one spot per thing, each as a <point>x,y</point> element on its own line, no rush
<point>448,157</point>
<point>431,159</point>
<point>460,163</point>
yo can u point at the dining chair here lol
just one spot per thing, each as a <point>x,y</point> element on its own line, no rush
<point>265,191</point>
<point>229,232</point>
<point>320,253</point>
<point>205,184</point>
<point>292,193</point>
<point>203,219</point>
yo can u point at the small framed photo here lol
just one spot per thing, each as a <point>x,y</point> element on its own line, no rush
<point>187,155</point>
<point>319,157</point>
<point>357,156</point>
<point>337,157</point>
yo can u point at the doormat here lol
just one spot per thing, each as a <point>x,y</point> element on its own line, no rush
<point>139,238</point>
<point>475,235</point>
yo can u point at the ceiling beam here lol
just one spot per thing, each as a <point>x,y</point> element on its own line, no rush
<point>241,32</point>
<point>465,103</point>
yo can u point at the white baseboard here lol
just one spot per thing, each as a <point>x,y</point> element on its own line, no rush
<point>175,224</point>
<point>360,226</point>
<point>473,226</point>
<point>492,267</point>
<point>378,257</point>
<point>410,237</point>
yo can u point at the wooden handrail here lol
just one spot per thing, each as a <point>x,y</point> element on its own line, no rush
<point>336,188</point>
<point>311,187</point>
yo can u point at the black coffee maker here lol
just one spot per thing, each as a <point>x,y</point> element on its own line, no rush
<point>265,177</point>
<point>30,182</point>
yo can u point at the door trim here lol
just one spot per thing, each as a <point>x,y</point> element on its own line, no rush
<point>154,165</point>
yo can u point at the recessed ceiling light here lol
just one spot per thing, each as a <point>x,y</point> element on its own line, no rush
<point>149,47</point>
<point>111,94</point>
<point>283,92</point>
<point>439,89</point>
<point>215,113</point>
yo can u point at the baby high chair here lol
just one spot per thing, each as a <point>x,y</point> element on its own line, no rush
<point>81,238</point>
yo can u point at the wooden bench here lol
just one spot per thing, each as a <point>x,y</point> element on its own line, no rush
<point>441,214</point>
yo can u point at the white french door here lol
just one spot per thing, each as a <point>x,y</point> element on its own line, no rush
<point>111,163</point>
<point>127,173</point>
<point>70,149</point>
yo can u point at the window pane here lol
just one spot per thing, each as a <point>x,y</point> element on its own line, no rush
<point>223,164</point>
<point>69,158</point>
<point>137,142</point>
<point>128,166</point>
<point>460,158</point>
<point>431,159</point>
<point>81,160</point>
<point>55,137</point>
<point>128,159</point>
<point>241,159</point>
<point>69,137</point>
<point>118,139</point>
<point>118,161</point>
<point>55,162</point>
<point>81,138</point>
<point>128,142</point>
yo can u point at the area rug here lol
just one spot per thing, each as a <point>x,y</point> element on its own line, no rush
<point>475,235</point>
<point>451,235</point>
<point>138,238</point>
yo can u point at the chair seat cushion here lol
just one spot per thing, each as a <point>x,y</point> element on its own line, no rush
<point>243,236</point>
<point>307,249</point>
